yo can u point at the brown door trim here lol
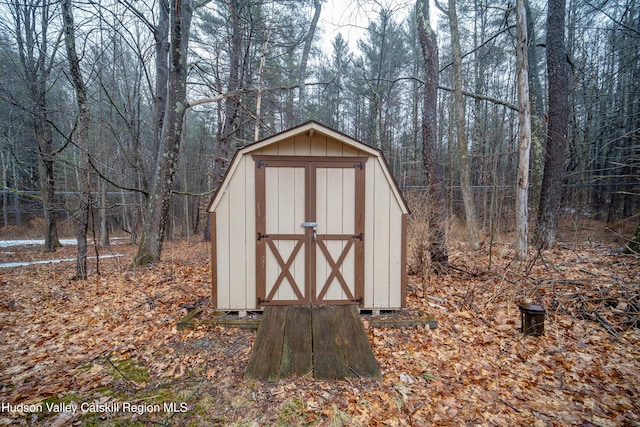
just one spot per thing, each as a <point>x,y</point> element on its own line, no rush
<point>310,240</point>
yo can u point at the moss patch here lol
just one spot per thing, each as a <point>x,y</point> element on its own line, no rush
<point>130,370</point>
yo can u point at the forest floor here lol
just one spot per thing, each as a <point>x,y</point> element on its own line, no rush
<point>106,351</point>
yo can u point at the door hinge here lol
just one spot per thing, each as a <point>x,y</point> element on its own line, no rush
<point>358,236</point>
<point>359,165</point>
<point>262,300</point>
<point>260,163</point>
<point>262,236</point>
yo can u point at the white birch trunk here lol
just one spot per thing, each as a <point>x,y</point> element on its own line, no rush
<point>524,134</point>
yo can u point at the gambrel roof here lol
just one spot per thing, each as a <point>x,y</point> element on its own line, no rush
<point>310,128</point>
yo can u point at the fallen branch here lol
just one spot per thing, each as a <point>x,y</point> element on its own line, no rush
<point>151,300</point>
<point>510,406</point>
<point>606,324</point>
<point>470,273</point>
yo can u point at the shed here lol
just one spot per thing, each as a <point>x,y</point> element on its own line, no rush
<point>308,216</point>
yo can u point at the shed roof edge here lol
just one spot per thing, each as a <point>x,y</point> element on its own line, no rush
<point>308,126</point>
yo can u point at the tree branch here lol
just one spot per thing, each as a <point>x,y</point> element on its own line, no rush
<point>483,98</point>
<point>505,29</point>
<point>615,21</point>
<point>110,181</point>
<point>235,93</point>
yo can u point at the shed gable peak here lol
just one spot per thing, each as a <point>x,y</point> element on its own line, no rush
<point>309,130</point>
<point>308,139</point>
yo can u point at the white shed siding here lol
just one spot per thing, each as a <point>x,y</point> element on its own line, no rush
<point>396,269</point>
<point>383,241</point>
<point>235,242</point>
<point>223,268</point>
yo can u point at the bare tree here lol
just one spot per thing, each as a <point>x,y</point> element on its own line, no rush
<point>37,50</point>
<point>524,134</point>
<point>161,37</point>
<point>150,247</point>
<point>81,135</point>
<point>538,126</point>
<point>317,4</point>
<point>160,30</point>
<point>461,131</point>
<point>557,128</point>
<point>435,184</point>
<point>633,244</point>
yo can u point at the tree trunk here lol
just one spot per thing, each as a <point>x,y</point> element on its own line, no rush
<point>104,213</point>
<point>537,109</point>
<point>433,171</point>
<point>31,21</point>
<point>256,133</point>
<point>231,105</point>
<point>524,134</point>
<point>150,247</point>
<point>16,198</point>
<point>81,140</point>
<point>461,132</point>
<point>47,183</point>
<point>5,192</point>
<point>161,37</point>
<point>633,245</point>
<point>305,58</point>
<point>554,169</point>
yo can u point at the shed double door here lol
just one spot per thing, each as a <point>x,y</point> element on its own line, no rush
<point>310,230</point>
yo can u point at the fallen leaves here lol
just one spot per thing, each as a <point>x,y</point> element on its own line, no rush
<point>113,338</point>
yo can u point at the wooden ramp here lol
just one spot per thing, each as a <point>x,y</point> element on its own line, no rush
<point>327,341</point>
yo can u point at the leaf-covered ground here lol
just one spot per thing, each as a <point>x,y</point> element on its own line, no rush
<point>109,347</point>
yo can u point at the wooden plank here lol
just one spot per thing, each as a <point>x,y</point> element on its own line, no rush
<point>271,222</point>
<point>261,248</point>
<point>250,232</point>
<point>188,322</point>
<point>297,346</point>
<point>320,198</point>
<point>299,161</point>
<point>382,254</point>
<point>318,144</point>
<point>223,272</point>
<point>286,147</point>
<point>359,253</point>
<point>368,276</point>
<point>403,323</point>
<point>236,222</point>
<point>328,356</point>
<point>335,206</point>
<point>264,361</point>
<point>299,266</point>
<point>214,259</point>
<point>302,145</point>
<point>311,214</point>
<point>395,262</point>
<point>334,147</point>
<point>403,262</point>
<point>356,347</point>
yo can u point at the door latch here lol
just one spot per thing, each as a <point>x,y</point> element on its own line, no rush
<point>313,226</point>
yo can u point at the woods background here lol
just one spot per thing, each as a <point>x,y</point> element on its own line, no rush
<point>173,87</point>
